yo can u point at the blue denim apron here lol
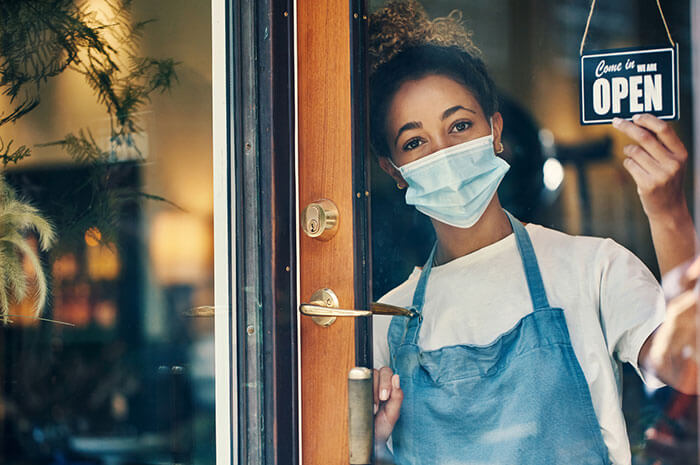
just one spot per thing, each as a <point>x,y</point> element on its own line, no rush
<point>521,399</point>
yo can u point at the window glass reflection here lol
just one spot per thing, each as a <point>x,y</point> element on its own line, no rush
<point>430,115</point>
<point>121,368</point>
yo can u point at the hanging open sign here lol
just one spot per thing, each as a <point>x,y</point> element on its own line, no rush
<point>623,82</point>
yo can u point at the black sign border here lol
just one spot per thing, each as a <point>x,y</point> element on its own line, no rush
<point>676,89</point>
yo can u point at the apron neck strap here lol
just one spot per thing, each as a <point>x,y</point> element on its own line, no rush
<point>413,324</point>
<point>419,293</point>
<point>529,260</point>
<point>538,295</point>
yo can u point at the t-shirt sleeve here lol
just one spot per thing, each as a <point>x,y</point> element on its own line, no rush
<point>632,304</point>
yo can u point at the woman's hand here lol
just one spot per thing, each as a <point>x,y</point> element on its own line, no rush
<point>671,352</point>
<point>657,165</point>
<point>387,403</point>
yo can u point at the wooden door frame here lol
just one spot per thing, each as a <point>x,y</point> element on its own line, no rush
<point>342,115</point>
<point>260,38</point>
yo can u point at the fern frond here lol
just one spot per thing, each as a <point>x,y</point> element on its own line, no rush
<point>9,156</point>
<point>162,79</point>
<point>131,195</point>
<point>82,148</point>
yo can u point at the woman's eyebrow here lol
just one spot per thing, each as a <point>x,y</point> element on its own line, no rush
<point>452,110</point>
<point>406,127</point>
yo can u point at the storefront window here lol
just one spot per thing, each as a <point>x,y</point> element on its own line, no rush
<point>107,212</point>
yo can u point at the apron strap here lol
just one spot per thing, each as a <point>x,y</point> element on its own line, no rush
<point>532,270</point>
<point>413,324</point>
<point>538,294</point>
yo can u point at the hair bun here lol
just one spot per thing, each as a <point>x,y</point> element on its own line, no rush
<point>404,23</point>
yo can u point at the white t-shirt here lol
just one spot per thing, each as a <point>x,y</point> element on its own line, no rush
<point>611,303</point>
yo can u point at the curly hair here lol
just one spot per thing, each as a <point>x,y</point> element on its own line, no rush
<point>406,45</point>
<point>403,24</point>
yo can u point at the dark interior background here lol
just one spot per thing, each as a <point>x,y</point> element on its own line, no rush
<point>531,48</point>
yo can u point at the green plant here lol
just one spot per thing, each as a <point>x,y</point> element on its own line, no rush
<point>40,39</point>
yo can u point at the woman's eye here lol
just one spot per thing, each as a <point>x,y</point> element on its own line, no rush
<point>460,126</point>
<point>412,144</point>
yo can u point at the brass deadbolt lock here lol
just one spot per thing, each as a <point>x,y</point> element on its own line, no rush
<point>320,219</point>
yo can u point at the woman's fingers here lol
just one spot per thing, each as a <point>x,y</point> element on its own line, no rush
<point>664,132</point>
<point>385,374</point>
<point>657,168</point>
<point>375,387</point>
<point>690,278</point>
<point>646,138</point>
<point>658,173</point>
<point>640,175</point>
<point>381,383</point>
<point>392,407</point>
<point>643,159</point>
<point>673,353</point>
<point>389,412</point>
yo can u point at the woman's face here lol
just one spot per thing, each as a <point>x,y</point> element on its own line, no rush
<point>430,114</point>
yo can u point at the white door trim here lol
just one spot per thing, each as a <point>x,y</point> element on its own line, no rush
<point>226,389</point>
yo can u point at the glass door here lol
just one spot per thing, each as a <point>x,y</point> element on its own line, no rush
<point>576,204</point>
<point>506,73</point>
<point>115,239</point>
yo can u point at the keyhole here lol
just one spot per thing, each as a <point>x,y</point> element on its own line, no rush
<point>313,225</point>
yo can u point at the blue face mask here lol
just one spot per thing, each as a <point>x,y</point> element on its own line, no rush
<point>456,184</point>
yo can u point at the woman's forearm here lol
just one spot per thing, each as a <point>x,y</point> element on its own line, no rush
<point>674,237</point>
<point>657,164</point>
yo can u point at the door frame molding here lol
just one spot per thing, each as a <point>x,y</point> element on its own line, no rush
<point>256,239</point>
<point>695,63</point>
<point>261,135</point>
<point>361,153</point>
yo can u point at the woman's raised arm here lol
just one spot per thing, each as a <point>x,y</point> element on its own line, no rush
<point>657,165</point>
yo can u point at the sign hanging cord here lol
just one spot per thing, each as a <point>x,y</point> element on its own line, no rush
<point>590,15</point>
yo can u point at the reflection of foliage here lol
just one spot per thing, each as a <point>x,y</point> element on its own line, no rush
<point>9,156</point>
<point>39,39</point>
<point>105,190</point>
<point>18,217</point>
<point>79,198</point>
<point>55,402</point>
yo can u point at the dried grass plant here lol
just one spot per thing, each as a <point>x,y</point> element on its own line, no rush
<point>17,219</point>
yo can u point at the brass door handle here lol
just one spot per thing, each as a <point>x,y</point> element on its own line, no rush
<point>323,308</point>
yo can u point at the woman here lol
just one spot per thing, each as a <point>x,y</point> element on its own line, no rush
<point>514,355</point>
